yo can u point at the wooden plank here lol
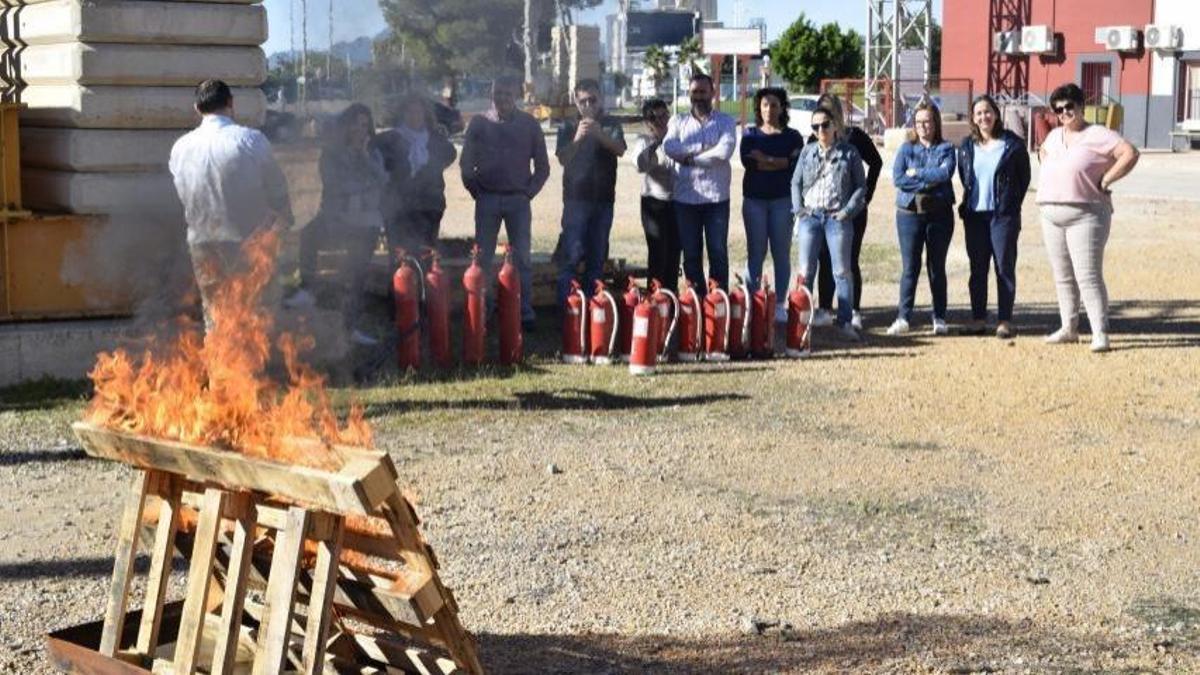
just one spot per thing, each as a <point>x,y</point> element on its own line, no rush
<point>320,617</point>
<point>236,574</point>
<point>274,631</point>
<point>364,478</point>
<point>160,564</point>
<point>204,547</point>
<point>118,589</point>
<point>409,597</point>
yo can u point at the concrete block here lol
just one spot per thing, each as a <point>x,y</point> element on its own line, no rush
<point>109,107</point>
<point>97,149</point>
<point>147,194</point>
<point>62,349</point>
<point>139,21</point>
<point>149,65</point>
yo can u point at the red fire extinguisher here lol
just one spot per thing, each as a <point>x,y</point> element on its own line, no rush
<point>691,324</point>
<point>762,324</point>
<point>716,323</point>
<point>508,311</point>
<point>574,326</point>
<point>629,303</point>
<point>799,325</point>
<point>474,312</point>
<point>407,293</point>
<point>666,304</point>
<point>604,324</point>
<point>643,354</point>
<point>739,321</point>
<point>437,314</point>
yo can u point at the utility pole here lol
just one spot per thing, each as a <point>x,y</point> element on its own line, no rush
<point>329,55</point>
<point>303,53</point>
<point>527,41</point>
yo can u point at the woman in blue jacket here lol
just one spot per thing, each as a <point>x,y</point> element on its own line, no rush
<point>993,166</point>
<point>924,214</point>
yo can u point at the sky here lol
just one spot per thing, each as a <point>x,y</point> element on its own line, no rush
<point>355,18</point>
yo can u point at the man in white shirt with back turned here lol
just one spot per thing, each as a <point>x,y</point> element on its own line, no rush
<point>230,186</point>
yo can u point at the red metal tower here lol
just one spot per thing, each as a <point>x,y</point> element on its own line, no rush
<point>1008,73</point>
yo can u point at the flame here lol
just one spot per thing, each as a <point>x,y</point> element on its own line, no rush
<point>214,390</point>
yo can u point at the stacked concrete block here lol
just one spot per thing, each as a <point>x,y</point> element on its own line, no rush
<point>109,88</point>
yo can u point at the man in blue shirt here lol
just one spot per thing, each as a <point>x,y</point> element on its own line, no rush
<point>702,141</point>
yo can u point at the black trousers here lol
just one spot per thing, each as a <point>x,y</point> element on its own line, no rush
<point>662,241</point>
<point>825,285</point>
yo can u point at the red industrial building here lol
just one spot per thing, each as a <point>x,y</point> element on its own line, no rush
<point>1143,54</point>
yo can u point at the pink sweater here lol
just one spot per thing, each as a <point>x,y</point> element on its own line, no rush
<point>1071,175</point>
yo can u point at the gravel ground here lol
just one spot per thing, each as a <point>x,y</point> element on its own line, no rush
<point>917,504</point>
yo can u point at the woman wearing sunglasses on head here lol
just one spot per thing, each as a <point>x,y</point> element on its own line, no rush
<point>1080,162</point>
<point>924,214</point>
<point>994,168</point>
<point>829,188</point>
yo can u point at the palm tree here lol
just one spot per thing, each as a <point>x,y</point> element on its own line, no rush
<point>656,65</point>
<point>690,54</point>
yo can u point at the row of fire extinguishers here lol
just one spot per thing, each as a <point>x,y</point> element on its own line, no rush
<point>644,326</point>
<point>414,289</point>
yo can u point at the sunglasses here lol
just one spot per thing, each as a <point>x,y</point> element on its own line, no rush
<point>822,126</point>
<point>1060,109</point>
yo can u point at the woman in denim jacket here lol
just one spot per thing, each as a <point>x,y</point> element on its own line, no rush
<point>924,214</point>
<point>829,188</point>
<point>993,166</point>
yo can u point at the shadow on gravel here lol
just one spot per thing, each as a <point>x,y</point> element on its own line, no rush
<point>955,644</point>
<point>45,392</point>
<point>41,456</point>
<point>75,568</point>
<point>570,399</point>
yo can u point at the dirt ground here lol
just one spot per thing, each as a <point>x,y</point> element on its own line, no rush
<point>918,504</point>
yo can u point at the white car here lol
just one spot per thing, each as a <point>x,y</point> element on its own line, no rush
<point>800,110</point>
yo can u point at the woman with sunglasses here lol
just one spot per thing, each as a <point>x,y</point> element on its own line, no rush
<point>769,150</point>
<point>1080,162</point>
<point>993,166</point>
<point>924,214</point>
<point>829,189</point>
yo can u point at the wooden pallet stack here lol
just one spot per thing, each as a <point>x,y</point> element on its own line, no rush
<point>290,569</point>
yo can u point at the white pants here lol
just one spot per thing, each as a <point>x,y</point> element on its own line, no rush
<point>1075,235</point>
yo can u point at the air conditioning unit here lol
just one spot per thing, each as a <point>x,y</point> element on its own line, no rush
<point>1163,36</point>
<point>1118,38</point>
<point>1037,40</point>
<point>1007,42</point>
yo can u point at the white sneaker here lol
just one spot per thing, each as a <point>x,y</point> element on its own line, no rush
<point>1099,342</point>
<point>939,327</point>
<point>856,320</point>
<point>1062,336</point>
<point>849,333</point>
<point>898,327</point>
<point>781,313</point>
<point>360,338</point>
<point>822,317</point>
<point>301,299</point>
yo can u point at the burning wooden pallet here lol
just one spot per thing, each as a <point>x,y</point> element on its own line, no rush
<point>290,569</point>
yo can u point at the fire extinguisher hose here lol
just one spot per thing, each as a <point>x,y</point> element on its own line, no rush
<point>728,312</point>
<point>583,305</point>
<point>674,321</point>
<point>616,325</point>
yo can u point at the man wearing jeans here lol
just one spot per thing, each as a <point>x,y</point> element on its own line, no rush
<point>498,148</point>
<point>702,142</point>
<point>588,149</point>
<point>829,188</point>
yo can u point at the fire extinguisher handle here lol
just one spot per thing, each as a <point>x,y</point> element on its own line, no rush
<point>612,339</point>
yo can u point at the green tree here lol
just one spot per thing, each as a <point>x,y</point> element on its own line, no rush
<point>450,38</point>
<point>691,55</point>
<point>805,54</point>
<point>657,65</point>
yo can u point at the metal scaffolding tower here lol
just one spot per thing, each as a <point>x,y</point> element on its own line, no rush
<point>1008,74</point>
<point>894,26</point>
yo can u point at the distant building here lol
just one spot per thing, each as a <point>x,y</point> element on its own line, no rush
<point>707,8</point>
<point>1144,54</point>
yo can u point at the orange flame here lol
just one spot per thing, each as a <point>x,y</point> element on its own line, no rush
<point>215,391</point>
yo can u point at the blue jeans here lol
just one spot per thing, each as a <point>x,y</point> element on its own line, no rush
<point>819,230</point>
<point>769,222</point>
<point>585,228</point>
<point>704,226</point>
<point>931,233</point>
<point>992,237</point>
<point>513,209</point>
